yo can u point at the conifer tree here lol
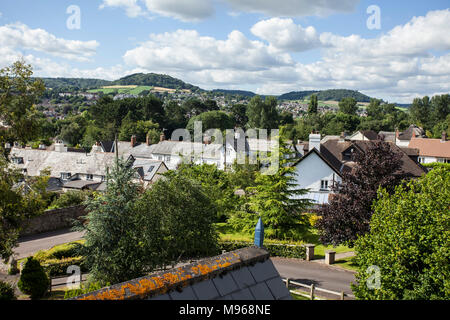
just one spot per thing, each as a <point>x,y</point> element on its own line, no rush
<point>276,200</point>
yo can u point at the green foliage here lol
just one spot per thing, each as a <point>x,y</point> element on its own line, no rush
<point>212,120</point>
<point>112,249</point>
<point>409,241</point>
<point>66,250</point>
<point>6,292</point>
<point>262,114</point>
<point>58,267</point>
<point>18,94</point>
<point>69,199</point>
<point>275,200</point>
<point>84,288</point>
<point>18,202</point>
<point>348,106</point>
<point>140,129</point>
<point>214,182</point>
<point>177,216</point>
<point>33,279</point>
<point>313,104</point>
<point>275,249</point>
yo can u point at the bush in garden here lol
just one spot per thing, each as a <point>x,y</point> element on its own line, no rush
<point>33,280</point>
<point>6,291</point>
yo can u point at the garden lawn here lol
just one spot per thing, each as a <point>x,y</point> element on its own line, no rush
<point>226,233</point>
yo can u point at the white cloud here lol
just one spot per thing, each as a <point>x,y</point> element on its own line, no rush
<point>294,8</point>
<point>20,36</point>
<point>131,7</point>
<point>186,10</point>
<point>188,51</point>
<point>284,34</point>
<point>388,67</point>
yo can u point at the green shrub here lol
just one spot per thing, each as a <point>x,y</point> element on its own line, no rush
<point>275,250</point>
<point>84,288</point>
<point>69,199</point>
<point>33,280</point>
<point>6,291</point>
<point>58,267</point>
<point>66,250</point>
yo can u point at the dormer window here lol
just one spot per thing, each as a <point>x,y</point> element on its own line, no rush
<point>17,160</point>
<point>65,175</point>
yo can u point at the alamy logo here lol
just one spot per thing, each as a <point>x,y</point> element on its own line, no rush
<point>74,20</point>
<point>374,280</point>
<point>374,21</point>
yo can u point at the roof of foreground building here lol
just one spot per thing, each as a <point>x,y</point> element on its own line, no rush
<point>245,274</point>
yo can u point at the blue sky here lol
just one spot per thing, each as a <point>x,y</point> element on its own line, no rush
<point>267,46</point>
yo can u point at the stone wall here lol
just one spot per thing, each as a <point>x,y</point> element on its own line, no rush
<point>52,220</point>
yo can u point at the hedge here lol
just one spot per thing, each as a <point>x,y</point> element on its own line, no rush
<point>275,249</point>
<point>58,267</point>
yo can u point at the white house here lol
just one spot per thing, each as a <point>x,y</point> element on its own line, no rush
<point>315,173</point>
<point>432,150</point>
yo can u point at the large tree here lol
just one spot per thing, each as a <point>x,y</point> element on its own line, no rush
<point>19,200</point>
<point>262,114</point>
<point>113,248</point>
<point>276,199</point>
<point>348,106</point>
<point>408,242</point>
<point>347,215</point>
<point>18,94</point>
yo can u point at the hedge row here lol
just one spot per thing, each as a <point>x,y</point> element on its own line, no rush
<point>58,267</point>
<point>275,249</point>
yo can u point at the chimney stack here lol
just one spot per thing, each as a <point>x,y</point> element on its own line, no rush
<point>397,133</point>
<point>314,141</point>
<point>444,136</point>
<point>133,141</point>
<point>342,137</point>
<point>162,137</point>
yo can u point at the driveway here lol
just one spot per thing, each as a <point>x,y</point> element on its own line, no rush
<point>31,244</point>
<point>321,275</point>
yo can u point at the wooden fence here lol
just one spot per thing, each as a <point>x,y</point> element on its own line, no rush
<point>312,289</point>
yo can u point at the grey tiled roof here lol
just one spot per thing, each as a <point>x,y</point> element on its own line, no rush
<point>245,274</point>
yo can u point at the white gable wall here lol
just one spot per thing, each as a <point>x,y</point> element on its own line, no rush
<point>309,174</point>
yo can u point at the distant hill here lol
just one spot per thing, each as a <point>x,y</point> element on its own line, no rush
<point>296,95</point>
<point>247,94</point>
<point>155,80</point>
<point>71,83</point>
<point>326,95</point>
<point>166,81</point>
<point>139,79</point>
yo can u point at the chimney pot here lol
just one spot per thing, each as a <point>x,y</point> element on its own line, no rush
<point>133,141</point>
<point>444,136</point>
<point>162,137</point>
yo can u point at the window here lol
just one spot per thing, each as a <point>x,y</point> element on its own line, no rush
<point>167,158</point>
<point>17,160</point>
<point>421,160</point>
<point>65,175</point>
<point>443,160</point>
<point>160,158</point>
<point>90,177</point>
<point>103,178</point>
<point>324,185</point>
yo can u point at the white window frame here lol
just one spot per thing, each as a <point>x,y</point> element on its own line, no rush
<point>324,185</point>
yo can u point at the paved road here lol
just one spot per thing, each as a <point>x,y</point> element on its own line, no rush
<point>321,275</point>
<point>31,244</point>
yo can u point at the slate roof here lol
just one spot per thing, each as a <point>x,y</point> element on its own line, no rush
<point>245,274</point>
<point>148,168</point>
<point>387,136</point>
<point>81,184</point>
<point>413,130</point>
<point>333,150</point>
<point>370,134</point>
